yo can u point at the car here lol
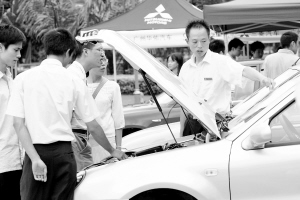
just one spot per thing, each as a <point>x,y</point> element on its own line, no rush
<point>145,115</point>
<point>254,153</point>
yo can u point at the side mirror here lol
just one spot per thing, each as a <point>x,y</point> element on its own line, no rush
<point>259,136</point>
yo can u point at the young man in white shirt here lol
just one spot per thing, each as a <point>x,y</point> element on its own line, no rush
<point>11,42</point>
<point>277,63</point>
<point>45,97</point>
<point>235,48</point>
<point>210,75</point>
<point>89,55</point>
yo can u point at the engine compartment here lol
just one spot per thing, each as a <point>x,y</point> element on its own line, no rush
<point>197,139</point>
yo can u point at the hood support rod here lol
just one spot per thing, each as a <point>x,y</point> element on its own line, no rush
<point>155,100</point>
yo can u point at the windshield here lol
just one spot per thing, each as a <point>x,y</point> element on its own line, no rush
<point>264,97</point>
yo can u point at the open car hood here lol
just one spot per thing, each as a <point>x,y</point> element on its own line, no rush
<point>157,72</point>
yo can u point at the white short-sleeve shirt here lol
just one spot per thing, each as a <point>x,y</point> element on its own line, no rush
<point>109,103</point>
<point>212,78</point>
<point>45,96</point>
<point>10,148</point>
<point>277,63</point>
<point>77,70</point>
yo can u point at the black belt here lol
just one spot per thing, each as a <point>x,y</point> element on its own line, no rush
<point>82,131</point>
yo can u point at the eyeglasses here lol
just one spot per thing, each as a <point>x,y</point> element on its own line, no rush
<point>89,42</point>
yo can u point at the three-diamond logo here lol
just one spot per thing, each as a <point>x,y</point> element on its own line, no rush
<point>158,17</point>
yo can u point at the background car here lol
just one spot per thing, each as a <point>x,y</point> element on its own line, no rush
<point>141,116</point>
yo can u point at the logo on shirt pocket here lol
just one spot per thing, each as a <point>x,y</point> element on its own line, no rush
<point>208,79</point>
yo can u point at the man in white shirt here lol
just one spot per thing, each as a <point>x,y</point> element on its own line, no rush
<point>89,55</point>
<point>277,63</point>
<point>210,75</point>
<point>235,48</point>
<point>45,97</point>
<point>11,41</point>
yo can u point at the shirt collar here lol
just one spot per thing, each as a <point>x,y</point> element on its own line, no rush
<point>286,51</point>
<point>7,73</point>
<point>76,63</point>
<point>52,62</point>
<point>207,58</point>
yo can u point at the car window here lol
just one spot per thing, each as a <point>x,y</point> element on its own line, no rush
<point>285,126</point>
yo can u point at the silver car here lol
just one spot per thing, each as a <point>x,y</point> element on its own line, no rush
<point>255,153</point>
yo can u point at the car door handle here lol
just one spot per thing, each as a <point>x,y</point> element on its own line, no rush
<point>211,172</point>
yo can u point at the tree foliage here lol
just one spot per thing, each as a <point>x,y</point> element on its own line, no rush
<point>37,17</point>
<point>100,11</point>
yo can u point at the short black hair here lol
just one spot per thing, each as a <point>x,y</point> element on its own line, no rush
<point>217,46</point>
<point>58,41</point>
<point>178,58</point>
<point>287,38</point>
<point>80,46</point>
<point>197,24</point>
<point>257,45</point>
<point>10,35</point>
<point>235,43</point>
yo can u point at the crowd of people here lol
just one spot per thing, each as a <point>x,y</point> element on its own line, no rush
<point>51,111</point>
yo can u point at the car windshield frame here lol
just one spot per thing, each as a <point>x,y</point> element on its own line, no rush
<point>266,100</point>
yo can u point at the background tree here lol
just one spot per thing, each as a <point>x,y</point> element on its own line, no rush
<point>100,11</point>
<point>36,17</point>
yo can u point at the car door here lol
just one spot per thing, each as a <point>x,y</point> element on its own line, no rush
<point>272,172</point>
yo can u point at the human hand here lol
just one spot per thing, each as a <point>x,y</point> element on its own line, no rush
<point>119,154</point>
<point>270,83</point>
<point>39,170</point>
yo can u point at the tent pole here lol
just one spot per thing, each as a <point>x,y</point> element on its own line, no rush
<point>226,43</point>
<point>115,65</point>
<point>137,93</point>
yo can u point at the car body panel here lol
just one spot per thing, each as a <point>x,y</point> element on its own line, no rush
<point>150,136</point>
<point>254,174</point>
<point>272,173</point>
<point>182,169</point>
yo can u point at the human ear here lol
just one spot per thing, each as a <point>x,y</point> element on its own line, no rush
<point>68,54</point>
<point>2,48</point>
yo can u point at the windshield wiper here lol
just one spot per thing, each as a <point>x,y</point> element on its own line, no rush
<point>156,102</point>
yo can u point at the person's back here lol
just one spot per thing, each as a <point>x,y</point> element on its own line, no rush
<point>50,90</point>
<point>277,63</point>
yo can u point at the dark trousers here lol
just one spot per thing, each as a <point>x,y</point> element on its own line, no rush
<point>10,185</point>
<point>192,127</point>
<point>61,173</point>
